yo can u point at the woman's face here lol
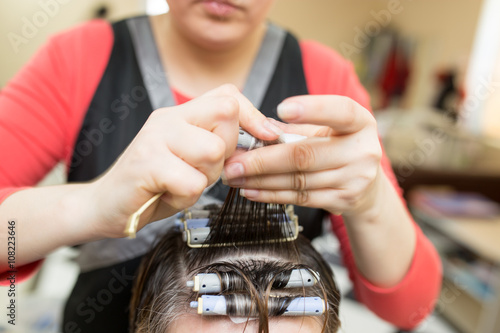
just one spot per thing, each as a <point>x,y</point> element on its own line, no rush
<point>218,24</point>
<point>221,324</point>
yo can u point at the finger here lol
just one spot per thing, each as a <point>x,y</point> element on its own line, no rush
<point>302,129</point>
<point>342,114</point>
<point>251,119</point>
<point>164,172</point>
<point>312,154</point>
<point>217,114</point>
<point>298,181</point>
<point>182,183</point>
<point>205,111</point>
<point>202,150</point>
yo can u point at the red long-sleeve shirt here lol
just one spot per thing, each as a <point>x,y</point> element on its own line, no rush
<point>43,107</point>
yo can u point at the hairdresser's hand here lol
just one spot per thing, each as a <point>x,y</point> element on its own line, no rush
<point>179,151</point>
<point>337,168</point>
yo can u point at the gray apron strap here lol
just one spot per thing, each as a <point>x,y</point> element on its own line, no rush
<point>156,81</point>
<point>148,58</point>
<point>258,82</point>
<point>110,251</point>
<point>264,65</point>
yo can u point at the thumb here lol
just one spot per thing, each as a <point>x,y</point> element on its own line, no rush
<point>250,119</point>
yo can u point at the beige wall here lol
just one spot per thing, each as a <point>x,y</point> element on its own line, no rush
<point>442,29</point>
<point>443,36</point>
<point>62,15</point>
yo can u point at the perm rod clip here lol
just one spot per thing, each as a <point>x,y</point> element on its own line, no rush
<point>210,305</point>
<point>195,237</point>
<point>210,283</point>
<point>194,225</point>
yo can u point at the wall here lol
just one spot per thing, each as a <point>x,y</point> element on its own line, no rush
<point>443,30</point>
<point>64,14</point>
<point>47,17</point>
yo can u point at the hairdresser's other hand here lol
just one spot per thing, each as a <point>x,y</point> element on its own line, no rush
<point>180,151</point>
<point>336,168</point>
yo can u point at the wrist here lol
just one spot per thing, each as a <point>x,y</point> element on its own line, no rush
<point>372,207</point>
<point>78,212</point>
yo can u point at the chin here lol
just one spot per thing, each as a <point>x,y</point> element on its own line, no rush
<point>215,35</point>
<point>218,41</point>
<point>212,31</point>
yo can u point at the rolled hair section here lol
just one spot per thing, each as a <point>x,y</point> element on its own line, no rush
<point>161,295</point>
<point>261,275</point>
<point>242,305</point>
<point>225,278</point>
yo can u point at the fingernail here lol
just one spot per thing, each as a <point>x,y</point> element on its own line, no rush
<point>233,170</point>
<point>249,193</point>
<point>273,128</point>
<point>290,110</point>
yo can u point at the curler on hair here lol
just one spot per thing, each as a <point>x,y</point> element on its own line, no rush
<point>211,283</point>
<point>241,305</point>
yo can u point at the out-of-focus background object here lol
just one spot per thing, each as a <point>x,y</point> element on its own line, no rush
<point>432,69</point>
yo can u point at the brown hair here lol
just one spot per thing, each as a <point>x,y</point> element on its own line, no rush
<point>254,265</point>
<point>160,293</point>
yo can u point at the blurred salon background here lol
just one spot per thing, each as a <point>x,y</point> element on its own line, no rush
<point>432,69</point>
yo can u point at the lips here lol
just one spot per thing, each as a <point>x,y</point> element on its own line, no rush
<point>220,8</point>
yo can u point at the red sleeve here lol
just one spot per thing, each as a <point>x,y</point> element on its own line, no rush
<point>43,106</point>
<point>412,299</point>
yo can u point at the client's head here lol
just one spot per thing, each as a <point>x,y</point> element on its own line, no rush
<point>254,282</point>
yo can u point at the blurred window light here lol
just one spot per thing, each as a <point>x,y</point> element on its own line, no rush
<point>156,7</point>
<point>484,55</point>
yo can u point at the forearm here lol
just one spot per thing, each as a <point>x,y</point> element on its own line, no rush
<point>46,218</point>
<point>382,237</point>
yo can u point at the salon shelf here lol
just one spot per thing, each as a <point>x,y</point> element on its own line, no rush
<point>460,307</point>
<point>470,249</point>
